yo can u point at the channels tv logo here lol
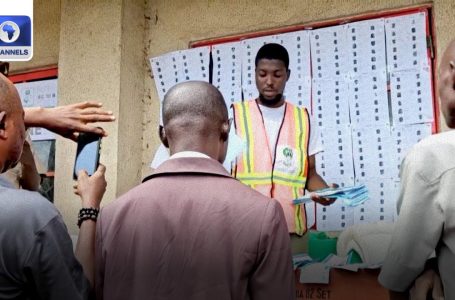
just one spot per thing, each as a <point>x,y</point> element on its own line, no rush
<point>15,38</point>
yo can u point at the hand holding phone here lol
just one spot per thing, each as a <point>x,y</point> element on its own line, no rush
<point>88,153</point>
<point>91,189</point>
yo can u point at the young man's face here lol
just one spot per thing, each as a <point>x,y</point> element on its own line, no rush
<point>447,85</point>
<point>271,77</point>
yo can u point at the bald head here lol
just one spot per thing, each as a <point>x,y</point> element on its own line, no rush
<point>195,119</point>
<point>446,84</point>
<point>12,129</point>
<point>9,98</point>
<point>194,101</point>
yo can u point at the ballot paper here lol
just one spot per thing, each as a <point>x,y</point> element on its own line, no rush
<point>366,44</point>
<point>329,52</point>
<point>227,71</point>
<point>411,97</point>
<point>351,196</point>
<point>373,152</point>
<point>404,138</point>
<point>331,102</point>
<point>336,159</point>
<point>299,93</point>
<point>407,42</point>
<point>337,216</point>
<point>382,203</point>
<point>179,66</point>
<point>298,46</point>
<point>368,103</point>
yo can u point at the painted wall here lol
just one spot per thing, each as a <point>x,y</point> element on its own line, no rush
<point>102,59</point>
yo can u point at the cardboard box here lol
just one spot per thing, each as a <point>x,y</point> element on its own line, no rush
<point>344,285</point>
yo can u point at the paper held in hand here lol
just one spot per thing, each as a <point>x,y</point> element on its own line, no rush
<point>352,196</point>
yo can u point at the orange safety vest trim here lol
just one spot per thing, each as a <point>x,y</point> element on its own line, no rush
<point>282,177</point>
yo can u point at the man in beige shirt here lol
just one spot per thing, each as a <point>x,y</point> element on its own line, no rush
<point>426,222</point>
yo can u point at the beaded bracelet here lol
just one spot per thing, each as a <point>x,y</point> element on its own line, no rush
<point>87,214</point>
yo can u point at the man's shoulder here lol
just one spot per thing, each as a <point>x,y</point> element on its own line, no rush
<point>221,187</point>
<point>25,207</point>
<point>434,145</point>
<point>433,155</point>
<point>292,105</point>
<point>232,186</point>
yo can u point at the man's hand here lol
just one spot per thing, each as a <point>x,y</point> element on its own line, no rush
<point>428,280</point>
<point>324,200</point>
<point>91,188</point>
<point>69,120</point>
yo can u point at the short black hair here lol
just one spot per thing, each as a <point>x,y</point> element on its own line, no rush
<point>273,51</point>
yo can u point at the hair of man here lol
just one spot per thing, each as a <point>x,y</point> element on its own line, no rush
<point>273,51</point>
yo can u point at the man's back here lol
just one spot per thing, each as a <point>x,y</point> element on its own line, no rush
<point>36,253</point>
<point>427,215</point>
<point>193,232</point>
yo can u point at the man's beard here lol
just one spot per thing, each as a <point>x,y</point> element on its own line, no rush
<point>271,102</point>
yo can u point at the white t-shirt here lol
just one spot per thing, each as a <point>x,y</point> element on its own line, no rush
<point>272,121</point>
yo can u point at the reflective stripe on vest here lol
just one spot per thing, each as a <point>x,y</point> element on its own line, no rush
<point>282,177</point>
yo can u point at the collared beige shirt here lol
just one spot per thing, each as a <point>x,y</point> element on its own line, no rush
<point>426,220</point>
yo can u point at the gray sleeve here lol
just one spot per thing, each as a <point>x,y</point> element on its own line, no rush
<point>417,230</point>
<point>52,266</point>
<point>273,277</point>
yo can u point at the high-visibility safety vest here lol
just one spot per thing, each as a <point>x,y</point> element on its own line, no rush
<point>283,176</point>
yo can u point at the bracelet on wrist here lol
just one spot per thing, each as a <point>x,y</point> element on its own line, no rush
<point>87,214</point>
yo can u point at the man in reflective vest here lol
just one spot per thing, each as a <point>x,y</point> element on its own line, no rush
<point>279,157</point>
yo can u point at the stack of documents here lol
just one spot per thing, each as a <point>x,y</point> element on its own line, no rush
<point>352,196</point>
<point>318,272</point>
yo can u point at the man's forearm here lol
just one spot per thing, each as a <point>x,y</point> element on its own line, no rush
<point>85,249</point>
<point>34,116</point>
<point>315,182</point>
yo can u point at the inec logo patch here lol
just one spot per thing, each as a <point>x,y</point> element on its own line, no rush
<point>286,160</point>
<point>15,38</point>
<point>287,152</point>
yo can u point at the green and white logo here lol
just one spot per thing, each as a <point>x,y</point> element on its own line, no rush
<point>287,152</point>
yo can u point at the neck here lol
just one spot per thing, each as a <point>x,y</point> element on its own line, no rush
<point>276,102</point>
<point>206,145</point>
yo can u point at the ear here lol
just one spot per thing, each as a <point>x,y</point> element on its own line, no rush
<point>3,134</point>
<point>288,73</point>
<point>225,128</point>
<point>163,136</point>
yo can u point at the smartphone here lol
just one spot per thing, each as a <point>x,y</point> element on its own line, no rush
<point>88,153</point>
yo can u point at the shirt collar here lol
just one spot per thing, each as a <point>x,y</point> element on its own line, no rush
<point>188,154</point>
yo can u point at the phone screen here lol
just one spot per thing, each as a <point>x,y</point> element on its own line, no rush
<point>87,156</point>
